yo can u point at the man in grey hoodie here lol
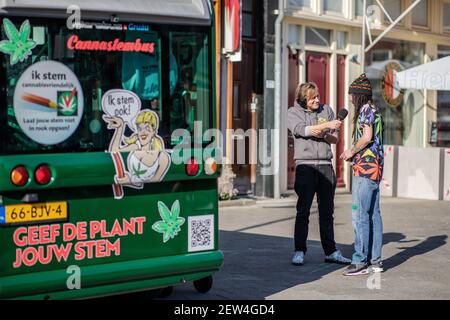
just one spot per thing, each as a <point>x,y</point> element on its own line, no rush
<point>313,126</point>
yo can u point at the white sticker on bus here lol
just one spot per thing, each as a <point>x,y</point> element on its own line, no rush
<point>148,161</point>
<point>48,102</point>
<point>200,233</point>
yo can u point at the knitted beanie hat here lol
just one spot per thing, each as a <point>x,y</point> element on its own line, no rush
<point>361,86</point>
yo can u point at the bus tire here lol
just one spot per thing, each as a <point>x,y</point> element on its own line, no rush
<point>165,292</point>
<point>203,285</point>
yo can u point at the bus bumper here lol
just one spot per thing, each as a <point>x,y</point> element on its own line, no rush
<point>112,278</point>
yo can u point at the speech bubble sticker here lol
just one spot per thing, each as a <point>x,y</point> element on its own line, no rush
<point>123,104</point>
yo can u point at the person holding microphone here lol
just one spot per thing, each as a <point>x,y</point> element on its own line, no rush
<point>314,127</point>
<point>367,156</point>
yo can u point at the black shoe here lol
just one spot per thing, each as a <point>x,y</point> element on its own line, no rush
<point>356,269</point>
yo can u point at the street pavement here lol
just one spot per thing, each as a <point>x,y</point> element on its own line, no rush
<point>257,244</point>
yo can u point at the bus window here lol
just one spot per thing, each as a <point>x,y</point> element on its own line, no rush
<point>184,97</point>
<point>190,100</point>
<point>97,72</point>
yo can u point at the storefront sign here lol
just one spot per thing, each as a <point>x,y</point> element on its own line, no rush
<point>48,102</point>
<point>391,91</point>
<point>232,28</point>
<point>75,43</point>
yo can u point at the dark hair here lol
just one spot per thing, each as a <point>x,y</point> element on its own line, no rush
<point>359,100</point>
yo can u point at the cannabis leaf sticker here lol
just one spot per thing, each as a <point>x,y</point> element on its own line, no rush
<point>171,221</point>
<point>19,45</point>
<point>137,171</point>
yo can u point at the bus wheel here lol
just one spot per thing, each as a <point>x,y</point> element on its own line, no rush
<point>166,292</point>
<point>203,285</point>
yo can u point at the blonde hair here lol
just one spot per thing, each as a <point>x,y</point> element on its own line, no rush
<point>150,117</point>
<point>305,91</point>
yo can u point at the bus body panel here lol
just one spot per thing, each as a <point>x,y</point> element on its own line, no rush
<point>162,234</point>
<point>109,241</point>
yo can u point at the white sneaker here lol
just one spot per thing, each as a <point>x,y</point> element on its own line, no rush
<point>337,257</point>
<point>298,258</point>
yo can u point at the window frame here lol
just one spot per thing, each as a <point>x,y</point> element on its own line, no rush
<point>253,24</point>
<point>402,23</point>
<point>441,18</point>
<point>331,12</point>
<point>429,17</point>
<point>309,8</point>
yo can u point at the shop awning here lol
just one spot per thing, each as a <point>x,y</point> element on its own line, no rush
<point>434,75</point>
<point>170,11</point>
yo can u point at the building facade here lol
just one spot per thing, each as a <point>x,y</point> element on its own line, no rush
<point>287,42</point>
<point>321,41</point>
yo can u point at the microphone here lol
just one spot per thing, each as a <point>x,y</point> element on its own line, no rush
<point>342,114</point>
<point>329,137</point>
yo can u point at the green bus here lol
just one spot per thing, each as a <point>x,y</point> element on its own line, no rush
<point>94,200</point>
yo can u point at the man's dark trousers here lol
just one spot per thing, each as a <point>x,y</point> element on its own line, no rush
<point>309,180</point>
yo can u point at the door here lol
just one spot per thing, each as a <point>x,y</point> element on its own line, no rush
<point>244,85</point>
<point>292,87</point>
<point>317,70</point>
<point>340,105</point>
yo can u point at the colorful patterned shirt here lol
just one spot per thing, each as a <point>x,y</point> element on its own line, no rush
<point>369,162</point>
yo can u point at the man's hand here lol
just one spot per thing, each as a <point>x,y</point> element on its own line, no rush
<point>333,124</point>
<point>318,129</point>
<point>316,132</point>
<point>347,155</point>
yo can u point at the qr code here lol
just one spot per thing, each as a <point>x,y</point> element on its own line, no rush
<point>201,233</point>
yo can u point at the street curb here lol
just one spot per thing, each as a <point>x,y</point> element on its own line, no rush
<point>236,203</point>
<point>290,199</point>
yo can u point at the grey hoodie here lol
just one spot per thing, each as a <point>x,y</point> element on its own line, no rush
<point>308,149</point>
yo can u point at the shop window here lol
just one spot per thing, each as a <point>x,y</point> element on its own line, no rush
<point>443,108</point>
<point>402,110</point>
<point>341,40</point>
<point>318,37</point>
<point>333,5</point>
<point>380,55</point>
<point>446,17</point>
<point>299,4</point>
<point>420,14</point>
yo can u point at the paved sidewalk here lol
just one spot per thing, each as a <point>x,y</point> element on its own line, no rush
<point>257,244</point>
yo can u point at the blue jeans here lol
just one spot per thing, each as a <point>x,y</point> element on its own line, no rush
<point>367,223</point>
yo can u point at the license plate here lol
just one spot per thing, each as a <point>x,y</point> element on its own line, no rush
<point>35,212</point>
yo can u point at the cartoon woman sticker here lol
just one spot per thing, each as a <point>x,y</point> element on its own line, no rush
<point>148,161</point>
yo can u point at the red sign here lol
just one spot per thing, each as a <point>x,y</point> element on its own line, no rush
<point>391,92</point>
<point>232,25</point>
<point>74,43</point>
